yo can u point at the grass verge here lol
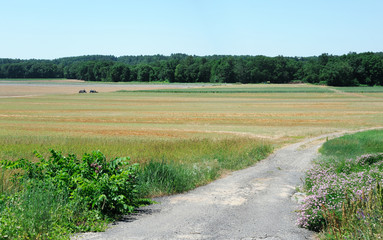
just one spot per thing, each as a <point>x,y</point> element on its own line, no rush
<point>345,196</point>
<point>199,163</point>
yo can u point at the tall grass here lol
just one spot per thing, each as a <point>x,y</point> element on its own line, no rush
<point>183,165</point>
<point>240,151</point>
<point>42,212</point>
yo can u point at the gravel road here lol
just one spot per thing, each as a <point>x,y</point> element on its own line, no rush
<point>254,203</point>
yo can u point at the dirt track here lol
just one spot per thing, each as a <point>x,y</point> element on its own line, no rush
<point>254,203</point>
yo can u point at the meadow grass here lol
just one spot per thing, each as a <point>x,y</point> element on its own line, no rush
<point>203,161</point>
<point>282,117</point>
<point>180,140</point>
<point>177,127</point>
<point>345,196</point>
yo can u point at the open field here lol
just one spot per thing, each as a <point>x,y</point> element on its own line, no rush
<point>127,123</point>
<point>181,139</point>
<point>38,87</point>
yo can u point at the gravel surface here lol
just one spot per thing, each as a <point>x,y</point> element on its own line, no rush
<point>254,203</point>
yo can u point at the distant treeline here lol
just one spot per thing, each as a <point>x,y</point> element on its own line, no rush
<point>347,70</point>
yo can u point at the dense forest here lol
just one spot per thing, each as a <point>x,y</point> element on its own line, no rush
<point>347,70</point>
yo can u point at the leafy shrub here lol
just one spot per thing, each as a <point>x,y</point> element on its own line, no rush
<point>105,186</point>
<point>62,194</point>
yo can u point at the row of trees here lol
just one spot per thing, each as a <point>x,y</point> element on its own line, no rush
<point>346,70</point>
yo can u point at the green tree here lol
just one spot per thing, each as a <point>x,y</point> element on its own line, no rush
<point>204,70</point>
<point>101,70</point>
<point>119,73</point>
<point>311,70</point>
<point>223,71</point>
<point>338,73</point>
<point>144,73</point>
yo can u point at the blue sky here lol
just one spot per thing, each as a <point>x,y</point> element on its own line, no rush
<point>51,29</point>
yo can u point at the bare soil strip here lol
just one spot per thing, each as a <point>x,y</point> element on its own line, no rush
<point>254,203</point>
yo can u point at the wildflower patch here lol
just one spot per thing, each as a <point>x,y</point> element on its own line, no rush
<point>333,186</point>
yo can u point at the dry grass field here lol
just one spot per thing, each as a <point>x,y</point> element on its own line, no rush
<point>50,114</point>
<point>28,88</point>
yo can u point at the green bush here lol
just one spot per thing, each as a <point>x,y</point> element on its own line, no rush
<point>101,185</point>
<point>62,194</point>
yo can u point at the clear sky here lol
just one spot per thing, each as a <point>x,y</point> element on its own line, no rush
<point>48,29</point>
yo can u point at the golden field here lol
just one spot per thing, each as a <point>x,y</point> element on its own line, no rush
<point>124,123</point>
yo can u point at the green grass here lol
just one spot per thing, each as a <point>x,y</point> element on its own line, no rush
<point>202,162</point>
<point>249,89</point>
<point>44,213</point>
<point>375,89</point>
<point>351,146</point>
